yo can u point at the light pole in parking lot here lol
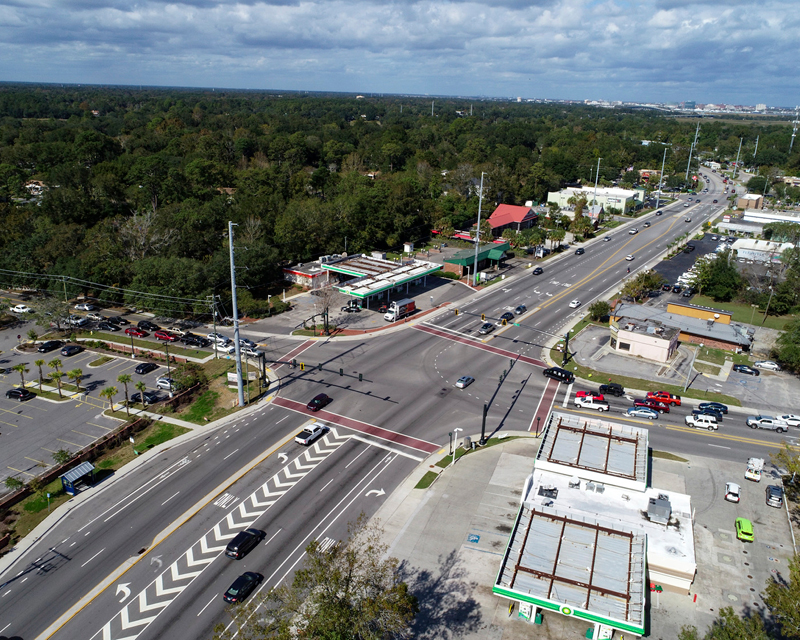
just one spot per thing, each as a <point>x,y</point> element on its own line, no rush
<point>455,444</point>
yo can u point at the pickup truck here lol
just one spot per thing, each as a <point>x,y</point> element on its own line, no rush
<point>591,403</point>
<point>767,422</point>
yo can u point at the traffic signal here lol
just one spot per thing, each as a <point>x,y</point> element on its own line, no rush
<point>294,363</point>
<point>361,377</point>
<point>505,322</point>
<point>456,311</point>
<point>302,366</point>
<point>483,317</point>
<point>341,372</point>
<point>319,367</point>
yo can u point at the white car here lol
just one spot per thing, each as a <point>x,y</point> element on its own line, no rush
<point>95,316</point>
<point>732,491</point>
<point>629,257</point>
<point>22,308</point>
<point>245,342</point>
<point>309,434</point>
<point>633,231</point>
<point>165,383</point>
<point>218,338</point>
<point>574,304</point>
<point>84,306</point>
<point>464,381</point>
<point>767,364</point>
<point>591,403</point>
<point>250,352</point>
<point>791,419</point>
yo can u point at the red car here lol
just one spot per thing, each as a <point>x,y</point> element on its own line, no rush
<point>652,404</point>
<point>589,394</point>
<point>133,331</point>
<point>666,398</point>
<point>166,336</point>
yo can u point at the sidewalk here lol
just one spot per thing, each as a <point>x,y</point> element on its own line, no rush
<point>451,537</point>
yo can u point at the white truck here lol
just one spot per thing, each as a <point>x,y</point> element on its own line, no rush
<point>754,468</point>
<point>400,309</point>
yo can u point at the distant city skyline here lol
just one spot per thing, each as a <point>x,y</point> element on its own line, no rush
<point>733,52</point>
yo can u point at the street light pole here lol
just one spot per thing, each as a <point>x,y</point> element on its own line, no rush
<point>691,366</point>
<point>483,425</point>
<point>596,174</point>
<point>235,318</point>
<point>478,235</point>
<point>660,178</point>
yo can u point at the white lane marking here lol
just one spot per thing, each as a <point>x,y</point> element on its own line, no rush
<point>281,420</point>
<point>358,456</point>
<point>170,498</point>
<point>206,607</point>
<point>326,484</point>
<point>718,446</point>
<point>93,557</point>
<point>230,454</point>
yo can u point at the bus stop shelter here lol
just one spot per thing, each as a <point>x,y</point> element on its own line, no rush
<point>74,477</point>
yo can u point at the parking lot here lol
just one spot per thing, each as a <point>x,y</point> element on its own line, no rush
<point>32,431</point>
<point>730,573</point>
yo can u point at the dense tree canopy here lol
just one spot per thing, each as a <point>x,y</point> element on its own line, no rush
<point>138,185</point>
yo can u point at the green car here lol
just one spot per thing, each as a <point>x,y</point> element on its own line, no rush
<point>744,529</point>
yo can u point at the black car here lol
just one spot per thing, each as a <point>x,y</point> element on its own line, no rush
<point>722,408</point>
<point>688,292</point>
<point>743,368</point>
<point>71,350</point>
<point>191,340</point>
<point>243,586</point>
<point>580,251</point>
<point>708,411</point>
<point>146,325</point>
<point>666,287</point>
<point>677,288</point>
<point>318,402</point>
<point>117,320</point>
<point>19,394</point>
<point>612,389</point>
<point>243,543</point>
<point>146,367</point>
<point>50,345</point>
<point>150,397</point>
<point>688,248</point>
<point>507,316</point>
<point>538,271</point>
<point>108,326</point>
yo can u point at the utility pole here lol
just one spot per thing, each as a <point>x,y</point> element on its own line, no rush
<point>691,151</point>
<point>596,174</point>
<point>737,158</point>
<point>756,151</point>
<point>661,177</point>
<point>214,321</point>
<point>794,129</point>
<point>432,102</point>
<point>478,234</point>
<point>235,318</point>
<point>565,359</point>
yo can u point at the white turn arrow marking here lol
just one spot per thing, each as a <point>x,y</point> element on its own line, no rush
<point>283,457</point>
<point>123,588</point>
<point>376,492</point>
<point>156,560</point>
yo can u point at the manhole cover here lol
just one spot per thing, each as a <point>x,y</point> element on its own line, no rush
<point>732,598</point>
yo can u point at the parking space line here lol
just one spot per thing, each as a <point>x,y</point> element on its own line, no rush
<point>74,444</point>
<point>81,433</point>
<point>21,415</point>
<point>21,471</point>
<point>9,424</point>
<point>42,462</point>
<point>99,426</point>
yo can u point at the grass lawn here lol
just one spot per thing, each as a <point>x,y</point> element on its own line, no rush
<point>665,455</point>
<point>718,356</point>
<point>444,462</point>
<point>100,361</point>
<point>426,480</point>
<point>145,345</point>
<point>743,312</point>
<point>710,369</point>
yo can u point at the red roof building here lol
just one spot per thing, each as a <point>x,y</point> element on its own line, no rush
<point>509,216</point>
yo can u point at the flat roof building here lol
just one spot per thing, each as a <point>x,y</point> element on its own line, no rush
<point>590,535</point>
<point>607,197</point>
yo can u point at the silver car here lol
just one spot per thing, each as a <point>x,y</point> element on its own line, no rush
<point>767,364</point>
<point>464,381</point>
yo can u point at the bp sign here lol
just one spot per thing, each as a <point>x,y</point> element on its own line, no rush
<point>566,611</point>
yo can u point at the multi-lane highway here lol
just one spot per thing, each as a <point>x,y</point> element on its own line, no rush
<point>143,557</point>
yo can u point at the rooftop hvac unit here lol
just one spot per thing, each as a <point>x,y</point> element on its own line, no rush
<point>659,509</point>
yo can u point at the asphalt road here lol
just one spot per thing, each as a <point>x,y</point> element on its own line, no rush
<point>404,407</point>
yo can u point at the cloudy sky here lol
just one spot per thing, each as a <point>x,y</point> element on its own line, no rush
<point>732,51</point>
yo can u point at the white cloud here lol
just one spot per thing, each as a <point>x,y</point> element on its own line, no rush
<point>708,50</point>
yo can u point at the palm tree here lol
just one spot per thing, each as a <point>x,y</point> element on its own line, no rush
<point>57,375</point>
<point>76,375</point>
<point>109,392</point>
<point>39,364</point>
<point>142,387</point>
<point>125,378</point>
<point>55,363</point>
<point>22,370</point>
